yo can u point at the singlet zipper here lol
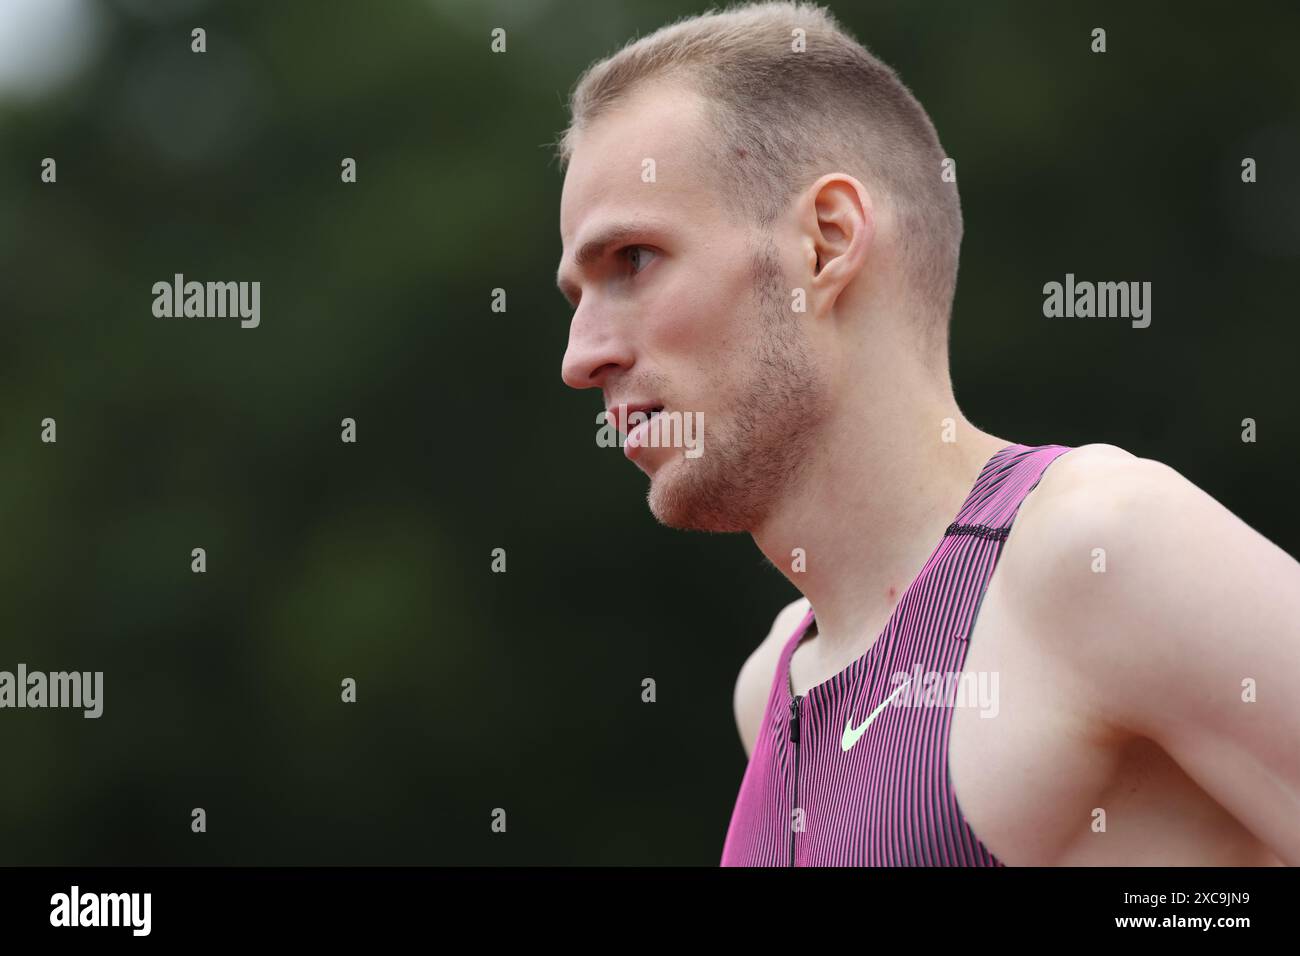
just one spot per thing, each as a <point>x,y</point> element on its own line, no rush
<point>794,739</point>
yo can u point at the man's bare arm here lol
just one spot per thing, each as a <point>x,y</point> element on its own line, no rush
<point>1190,636</point>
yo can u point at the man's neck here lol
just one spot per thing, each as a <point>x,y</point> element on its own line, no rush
<point>870,507</point>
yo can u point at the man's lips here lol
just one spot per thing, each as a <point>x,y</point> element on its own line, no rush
<point>632,419</point>
<point>636,440</point>
<point>620,413</point>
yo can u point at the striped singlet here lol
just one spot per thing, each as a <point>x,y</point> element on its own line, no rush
<point>888,799</point>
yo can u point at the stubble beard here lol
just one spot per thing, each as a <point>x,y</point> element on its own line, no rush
<point>757,456</point>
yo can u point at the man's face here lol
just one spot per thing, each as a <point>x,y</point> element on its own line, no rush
<point>685,310</point>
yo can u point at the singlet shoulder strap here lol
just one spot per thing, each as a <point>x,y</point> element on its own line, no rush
<point>985,522</point>
<point>996,497</point>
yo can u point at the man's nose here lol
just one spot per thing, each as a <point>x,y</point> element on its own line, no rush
<point>596,348</point>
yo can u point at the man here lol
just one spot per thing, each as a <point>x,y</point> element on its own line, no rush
<point>757,232</point>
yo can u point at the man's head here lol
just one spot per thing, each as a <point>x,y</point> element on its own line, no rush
<point>788,228</point>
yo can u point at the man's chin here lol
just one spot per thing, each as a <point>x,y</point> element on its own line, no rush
<point>681,497</point>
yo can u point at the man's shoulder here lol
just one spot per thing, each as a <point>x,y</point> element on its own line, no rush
<point>1104,533</point>
<point>1169,609</point>
<point>1091,566</point>
<point>1096,492</point>
<point>759,670</point>
<point>1096,469</point>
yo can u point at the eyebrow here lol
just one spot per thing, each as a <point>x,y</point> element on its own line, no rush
<point>595,247</point>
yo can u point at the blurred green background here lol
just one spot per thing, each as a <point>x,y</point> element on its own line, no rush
<point>326,560</point>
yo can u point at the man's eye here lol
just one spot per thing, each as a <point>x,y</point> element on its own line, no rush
<point>636,255</point>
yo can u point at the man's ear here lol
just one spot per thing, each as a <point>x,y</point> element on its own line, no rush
<point>840,225</point>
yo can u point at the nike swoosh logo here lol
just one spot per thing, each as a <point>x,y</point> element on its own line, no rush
<point>851,736</point>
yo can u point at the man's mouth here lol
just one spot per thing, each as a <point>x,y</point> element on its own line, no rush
<point>635,422</point>
<point>628,417</point>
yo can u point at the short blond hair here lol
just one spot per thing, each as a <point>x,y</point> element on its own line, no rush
<point>782,118</point>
